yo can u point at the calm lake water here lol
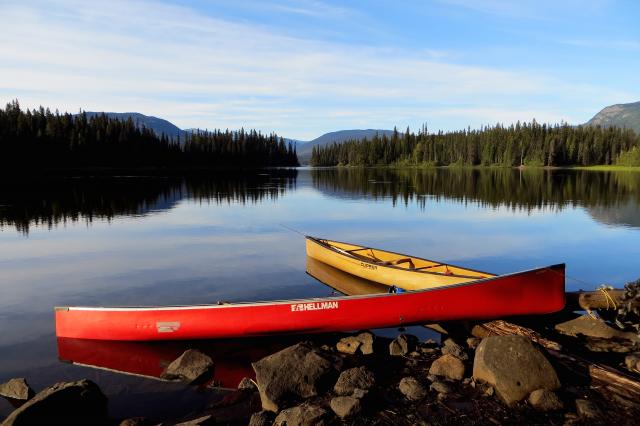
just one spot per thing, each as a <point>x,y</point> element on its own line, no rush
<point>155,241</point>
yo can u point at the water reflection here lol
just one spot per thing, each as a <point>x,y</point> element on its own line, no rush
<point>62,200</point>
<point>611,198</point>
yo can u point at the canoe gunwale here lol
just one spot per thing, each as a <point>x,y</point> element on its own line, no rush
<point>408,293</point>
<point>327,246</point>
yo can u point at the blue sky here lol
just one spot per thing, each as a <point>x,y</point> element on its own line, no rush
<point>303,68</point>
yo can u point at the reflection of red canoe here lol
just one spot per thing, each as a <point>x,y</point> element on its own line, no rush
<point>537,291</point>
<point>232,360</point>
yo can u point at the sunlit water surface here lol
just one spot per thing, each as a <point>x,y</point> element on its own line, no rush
<point>158,241</point>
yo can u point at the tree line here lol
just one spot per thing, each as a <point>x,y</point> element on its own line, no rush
<point>531,144</point>
<point>42,140</point>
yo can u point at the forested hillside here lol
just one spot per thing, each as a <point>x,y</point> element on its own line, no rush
<point>520,144</point>
<point>42,140</point>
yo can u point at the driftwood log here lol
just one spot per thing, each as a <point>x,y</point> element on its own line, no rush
<point>601,376</point>
<point>589,300</point>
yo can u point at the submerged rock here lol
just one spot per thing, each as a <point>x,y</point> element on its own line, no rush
<point>412,388</point>
<point>402,345</point>
<point>352,379</point>
<point>447,366</point>
<point>189,367</point>
<point>298,371</point>
<point>514,367</point>
<point>345,406</point>
<point>16,389</point>
<point>79,402</point>
<point>302,415</point>
<point>545,400</point>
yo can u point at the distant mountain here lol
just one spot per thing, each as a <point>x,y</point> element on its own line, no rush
<point>305,149</point>
<point>620,115</point>
<point>158,125</point>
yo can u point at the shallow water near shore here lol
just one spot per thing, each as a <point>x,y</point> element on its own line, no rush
<point>168,240</point>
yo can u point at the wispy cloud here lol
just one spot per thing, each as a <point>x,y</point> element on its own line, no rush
<point>203,71</point>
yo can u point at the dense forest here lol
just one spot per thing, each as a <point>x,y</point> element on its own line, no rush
<point>531,144</point>
<point>42,140</point>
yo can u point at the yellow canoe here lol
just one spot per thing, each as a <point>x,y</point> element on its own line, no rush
<point>389,268</point>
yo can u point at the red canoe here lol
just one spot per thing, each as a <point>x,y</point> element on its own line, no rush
<point>537,291</point>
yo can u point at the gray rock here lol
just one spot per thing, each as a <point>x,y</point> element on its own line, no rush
<point>302,415</point>
<point>402,345</point>
<point>354,378</point>
<point>136,421</point>
<point>348,345</point>
<point>359,393</point>
<point>430,343</point>
<point>16,389</point>
<point>366,342</point>
<point>514,367</point>
<point>262,418</point>
<point>473,342</point>
<point>632,362</point>
<point>200,421</point>
<point>345,406</point>
<point>545,400</point>
<point>452,348</point>
<point>447,366</point>
<point>73,402</point>
<point>587,409</point>
<point>189,367</point>
<point>412,388</point>
<point>247,384</point>
<point>298,371</point>
<point>440,387</point>
<point>592,327</point>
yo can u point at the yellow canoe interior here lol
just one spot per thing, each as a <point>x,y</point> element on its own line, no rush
<point>389,268</point>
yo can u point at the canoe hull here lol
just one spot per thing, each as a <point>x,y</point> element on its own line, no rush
<point>537,291</point>
<point>388,275</point>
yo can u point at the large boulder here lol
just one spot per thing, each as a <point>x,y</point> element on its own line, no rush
<point>79,402</point>
<point>447,366</point>
<point>514,367</point>
<point>299,371</point>
<point>302,415</point>
<point>352,379</point>
<point>16,389</point>
<point>189,367</point>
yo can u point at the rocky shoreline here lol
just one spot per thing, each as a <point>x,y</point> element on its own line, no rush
<point>491,373</point>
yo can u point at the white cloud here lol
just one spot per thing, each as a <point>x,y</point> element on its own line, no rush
<point>202,71</point>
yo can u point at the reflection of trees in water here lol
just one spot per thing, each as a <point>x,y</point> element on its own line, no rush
<point>517,189</point>
<point>58,201</point>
